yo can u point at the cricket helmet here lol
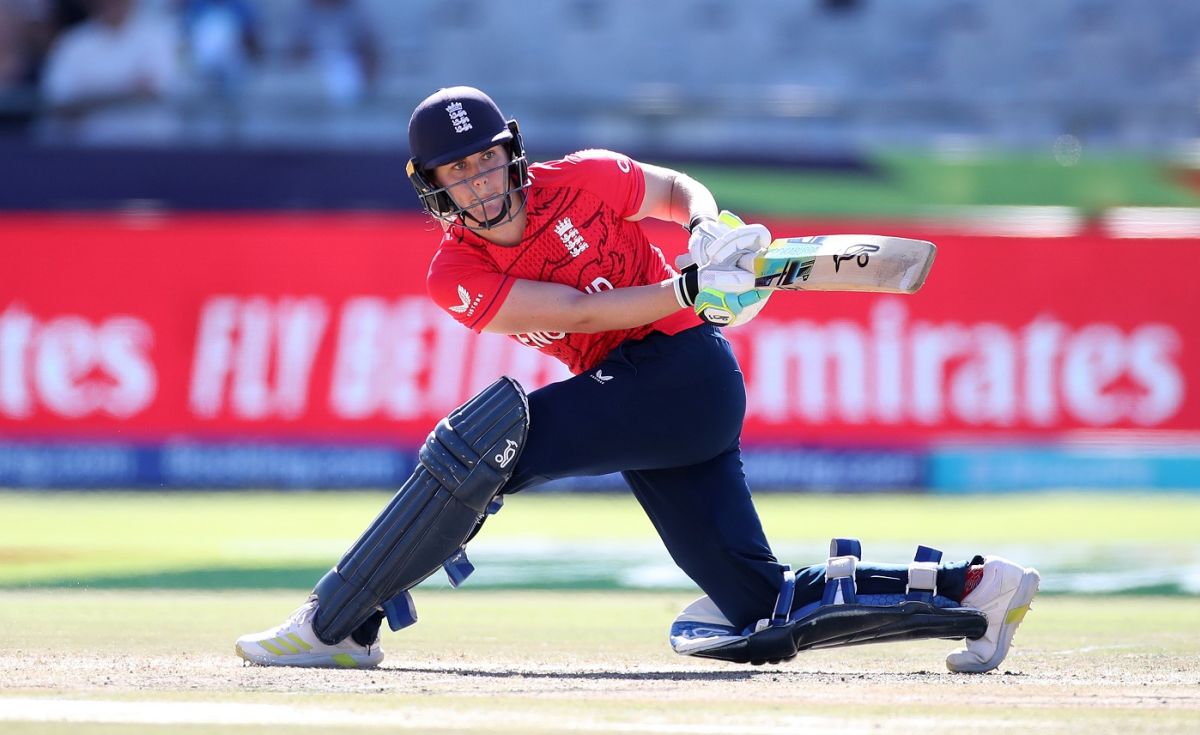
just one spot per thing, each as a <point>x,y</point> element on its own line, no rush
<point>449,125</point>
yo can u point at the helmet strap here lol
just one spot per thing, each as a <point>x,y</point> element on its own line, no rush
<point>490,223</point>
<point>506,214</point>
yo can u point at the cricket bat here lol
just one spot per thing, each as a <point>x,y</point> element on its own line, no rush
<point>873,263</point>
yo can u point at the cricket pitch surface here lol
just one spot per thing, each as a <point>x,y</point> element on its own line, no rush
<point>588,662</point>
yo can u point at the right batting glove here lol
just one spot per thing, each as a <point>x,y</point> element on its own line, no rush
<point>723,241</point>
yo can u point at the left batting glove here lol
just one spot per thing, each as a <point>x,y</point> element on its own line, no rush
<point>725,297</point>
<point>723,241</point>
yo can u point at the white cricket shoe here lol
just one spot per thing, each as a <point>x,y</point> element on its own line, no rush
<point>1003,594</point>
<point>294,643</point>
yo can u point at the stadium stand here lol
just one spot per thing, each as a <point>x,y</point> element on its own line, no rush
<point>745,75</point>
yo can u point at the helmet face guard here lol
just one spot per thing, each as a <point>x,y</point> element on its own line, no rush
<point>450,125</point>
<point>438,201</point>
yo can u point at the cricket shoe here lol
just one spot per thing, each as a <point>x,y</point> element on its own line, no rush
<point>1003,594</point>
<point>294,643</point>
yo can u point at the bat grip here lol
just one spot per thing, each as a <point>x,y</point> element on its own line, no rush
<point>745,262</point>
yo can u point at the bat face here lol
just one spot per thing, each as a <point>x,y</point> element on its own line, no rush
<point>873,263</point>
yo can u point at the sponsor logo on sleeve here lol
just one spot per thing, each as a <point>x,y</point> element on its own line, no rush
<point>468,304</point>
<point>466,301</point>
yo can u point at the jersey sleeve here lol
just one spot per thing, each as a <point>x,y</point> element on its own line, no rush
<point>466,288</point>
<point>616,178</point>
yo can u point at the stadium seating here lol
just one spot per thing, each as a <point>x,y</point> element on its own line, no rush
<point>761,75</point>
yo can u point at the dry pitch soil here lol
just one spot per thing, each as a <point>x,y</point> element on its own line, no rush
<point>887,688</point>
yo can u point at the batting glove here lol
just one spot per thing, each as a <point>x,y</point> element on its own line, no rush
<point>725,297</point>
<point>724,240</point>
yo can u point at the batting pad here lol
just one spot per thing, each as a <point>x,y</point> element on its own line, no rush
<point>701,629</point>
<point>841,618</point>
<point>464,463</point>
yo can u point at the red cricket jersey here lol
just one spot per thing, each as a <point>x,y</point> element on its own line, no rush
<point>576,234</point>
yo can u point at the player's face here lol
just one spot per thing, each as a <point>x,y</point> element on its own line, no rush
<point>478,183</point>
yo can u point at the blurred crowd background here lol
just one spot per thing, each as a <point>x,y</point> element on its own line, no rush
<point>753,78</point>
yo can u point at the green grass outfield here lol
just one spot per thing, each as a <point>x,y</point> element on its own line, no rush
<point>277,539</point>
<point>255,540</point>
<point>909,184</point>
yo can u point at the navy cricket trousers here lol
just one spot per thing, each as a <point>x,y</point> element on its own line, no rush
<point>667,411</point>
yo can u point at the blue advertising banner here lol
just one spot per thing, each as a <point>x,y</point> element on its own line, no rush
<point>278,465</point>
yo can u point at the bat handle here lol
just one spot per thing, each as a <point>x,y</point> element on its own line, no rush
<point>745,262</point>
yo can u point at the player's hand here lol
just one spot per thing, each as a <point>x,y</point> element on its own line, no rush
<point>723,241</point>
<point>725,297</point>
<point>729,298</point>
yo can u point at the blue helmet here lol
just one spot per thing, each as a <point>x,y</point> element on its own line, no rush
<point>452,124</point>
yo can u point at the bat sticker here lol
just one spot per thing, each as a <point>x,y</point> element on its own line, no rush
<point>860,253</point>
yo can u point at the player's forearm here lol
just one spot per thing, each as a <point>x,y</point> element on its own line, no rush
<point>549,307</point>
<point>624,308</point>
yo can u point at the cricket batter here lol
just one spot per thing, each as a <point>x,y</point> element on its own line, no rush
<point>553,255</point>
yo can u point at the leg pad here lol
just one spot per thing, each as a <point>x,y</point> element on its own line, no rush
<point>465,462</point>
<point>831,626</point>
<point>841,618</point>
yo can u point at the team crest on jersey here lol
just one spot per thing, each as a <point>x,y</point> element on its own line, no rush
<point>458,117</point>
<point>570,236</point>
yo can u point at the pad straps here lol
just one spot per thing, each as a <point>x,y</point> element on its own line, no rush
<point>922,574</point>
<point>783,602</point>
<point>401,611</point>
<point>840,587</point>
<point>458,567</point>
<point>787,593</point>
